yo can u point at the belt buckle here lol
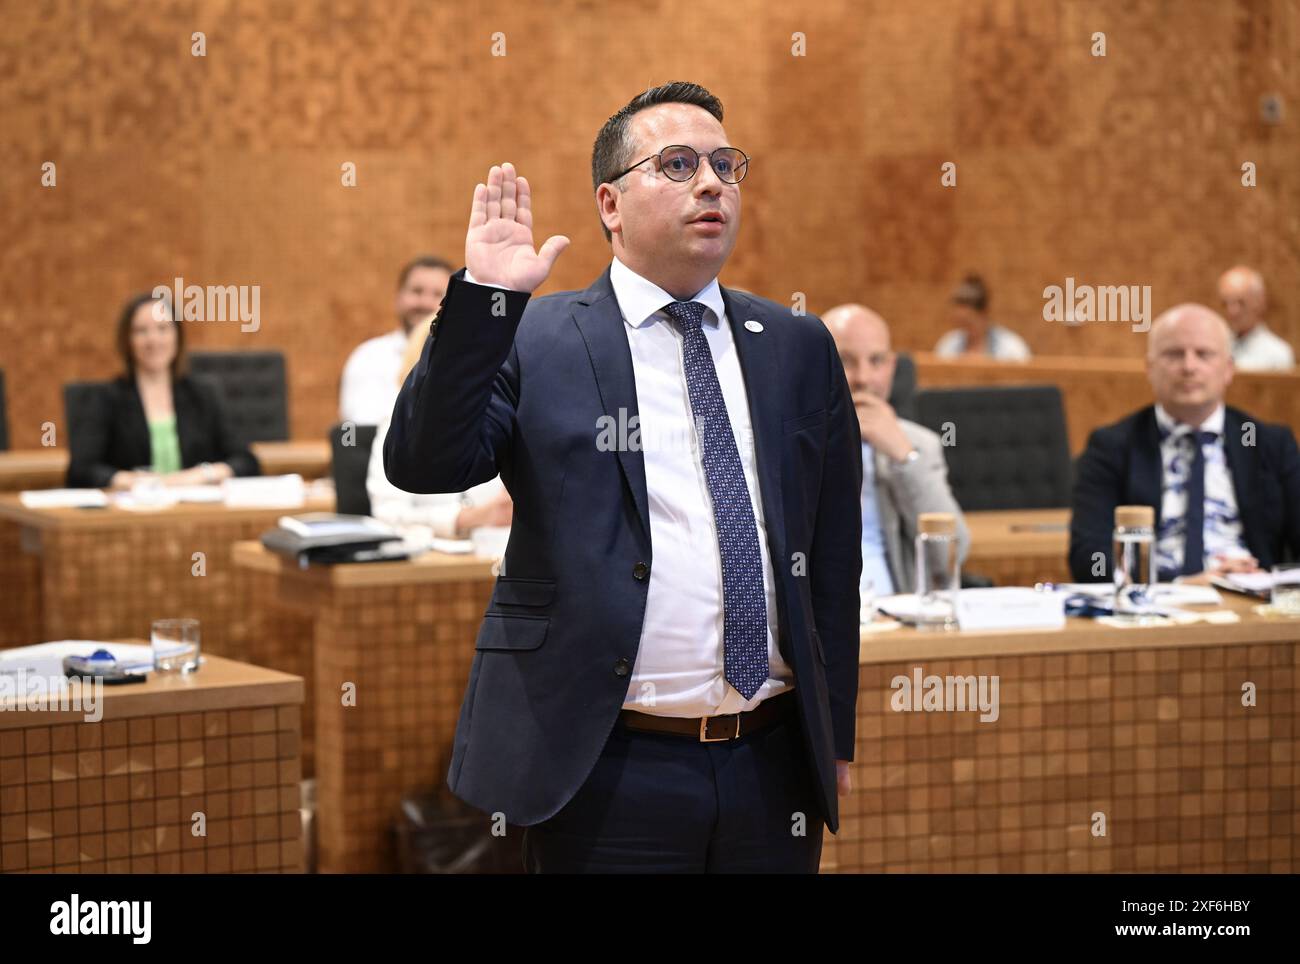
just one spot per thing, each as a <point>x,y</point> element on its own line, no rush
<point>704,730</point>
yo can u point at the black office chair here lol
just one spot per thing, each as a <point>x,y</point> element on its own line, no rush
<point>1009,444</point>
<point>254,387</point>
<point>349,464</point>
<point>902,394</point>
<point>4,418</point>
<point>79,402</point>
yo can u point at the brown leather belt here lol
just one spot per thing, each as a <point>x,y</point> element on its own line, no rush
<point>714,729</point>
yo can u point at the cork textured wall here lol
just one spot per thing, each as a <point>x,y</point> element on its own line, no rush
<point>226,168</point>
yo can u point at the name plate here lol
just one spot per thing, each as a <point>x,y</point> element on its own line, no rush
<point>1010,607</point>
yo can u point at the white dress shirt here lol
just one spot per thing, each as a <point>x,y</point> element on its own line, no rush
<point>370,379</point>
<point>875,562</point>
<point>1261,350</point>
<point>1003,344</point>
<point>679,667</point>
<point>419,516</point>
<point>1222,533</point>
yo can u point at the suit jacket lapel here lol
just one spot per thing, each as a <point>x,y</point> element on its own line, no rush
<point>1243,470</point>
<point>1147,473</point>
<point>600,323</point>
<point>759,366</point>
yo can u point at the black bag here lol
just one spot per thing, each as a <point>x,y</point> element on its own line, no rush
<point>440,834</point>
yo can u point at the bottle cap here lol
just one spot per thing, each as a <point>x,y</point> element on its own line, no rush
<point>1133,516</point>
<point>937,523</point>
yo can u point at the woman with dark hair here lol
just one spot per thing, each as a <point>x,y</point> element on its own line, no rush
<point>154,420</point>
<point>975,334</point>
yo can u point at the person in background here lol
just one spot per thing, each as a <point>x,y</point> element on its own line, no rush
<point>903,469</point>
<point>154,420</point>
<point>373,372</point>
<point>421,516</point>
<point>975,334</point>
<point>1245,301</point>
<point>1225,486</point>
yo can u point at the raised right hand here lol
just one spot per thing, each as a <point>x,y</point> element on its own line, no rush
<point>499,243</point>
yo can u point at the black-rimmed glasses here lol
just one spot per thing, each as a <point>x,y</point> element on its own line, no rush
<point>679,163</point>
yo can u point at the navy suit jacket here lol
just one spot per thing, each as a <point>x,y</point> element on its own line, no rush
<point>512,386</point>
<point>1122,466</point>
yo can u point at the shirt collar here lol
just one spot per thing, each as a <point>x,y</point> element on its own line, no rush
<point>640,299</point>
<point>1213,423</point>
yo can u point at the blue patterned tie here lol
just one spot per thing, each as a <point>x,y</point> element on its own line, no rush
<point>1194,517</point>
<point>744,601</point>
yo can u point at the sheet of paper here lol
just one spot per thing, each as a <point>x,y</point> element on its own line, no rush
<point>63,498</point>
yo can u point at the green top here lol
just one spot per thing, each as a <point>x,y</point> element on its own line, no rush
<point>165,445</point>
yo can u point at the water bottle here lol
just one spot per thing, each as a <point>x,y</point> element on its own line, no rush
<point>937,573</point>
<point>1133,545</point>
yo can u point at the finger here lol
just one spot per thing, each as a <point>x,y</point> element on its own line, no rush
<point>478,207</point>
<point>524,201</point>
<point>552,249</point>
<point>494,193</point>
<point>508,179</point>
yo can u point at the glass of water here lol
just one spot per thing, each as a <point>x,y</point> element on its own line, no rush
<point>1286,589</point>
<point>175,645</point>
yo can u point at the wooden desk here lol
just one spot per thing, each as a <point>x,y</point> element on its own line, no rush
<point>400,636</point>
<point>48,468</point>
<point>119,795</point>
<point>1145,726</point>
<point>108,573</point>
<point>32,469</point>
<point>1099,391</point>
<point>1019,547</point>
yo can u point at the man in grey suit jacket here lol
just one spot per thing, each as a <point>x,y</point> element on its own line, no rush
<point>903,469</point>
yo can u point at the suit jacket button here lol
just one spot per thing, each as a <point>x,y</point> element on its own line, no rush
<point>640,571</point>
<point>623,666</point>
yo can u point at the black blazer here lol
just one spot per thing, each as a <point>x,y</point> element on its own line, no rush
<point>112,434</point>
<point>1121,466</point>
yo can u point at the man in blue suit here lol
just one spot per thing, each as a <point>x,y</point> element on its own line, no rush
<point>1225,487</point>
<point>666,675</point>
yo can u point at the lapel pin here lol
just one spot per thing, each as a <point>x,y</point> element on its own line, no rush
<point>754,326</point>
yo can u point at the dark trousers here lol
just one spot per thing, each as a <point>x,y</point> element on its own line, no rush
<point>662,803</point>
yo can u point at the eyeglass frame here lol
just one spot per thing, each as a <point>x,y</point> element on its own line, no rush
<point>698,155</point>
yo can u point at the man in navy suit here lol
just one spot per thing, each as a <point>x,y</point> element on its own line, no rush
<point>666,675</point>
<point>1225,487</point>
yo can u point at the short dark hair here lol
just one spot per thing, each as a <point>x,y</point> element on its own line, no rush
<point>612,151</point>
<point>423,261</point>
<point>124,331</point>
<point>973,292</point>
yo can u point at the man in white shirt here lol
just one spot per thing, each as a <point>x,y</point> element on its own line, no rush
<point>1245,301</point>
<point>665,679</point>
<point>371,375</point>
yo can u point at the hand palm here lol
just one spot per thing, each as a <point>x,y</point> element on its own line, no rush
<point>499,242</point>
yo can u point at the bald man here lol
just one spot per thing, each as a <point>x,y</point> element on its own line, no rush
<point>1225,487</point>
<point>903,468</point>
<point>1245,300</point>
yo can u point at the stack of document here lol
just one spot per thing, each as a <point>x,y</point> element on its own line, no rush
<point>1257,583</point>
